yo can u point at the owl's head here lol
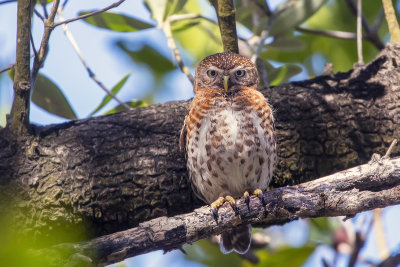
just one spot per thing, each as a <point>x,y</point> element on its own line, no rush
<point>225,72</point>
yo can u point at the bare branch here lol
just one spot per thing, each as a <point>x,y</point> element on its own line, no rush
<point>166,27</point>
<point>38,14</point>
<point>44,46</point>
<point>359,33</point>
<point>93,76</point>
<point>89,14</point>
<point>346,192</point>
<point>371,35</point>
<point>328,33</point>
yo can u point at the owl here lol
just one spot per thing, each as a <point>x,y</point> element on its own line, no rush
<point>229,138</point>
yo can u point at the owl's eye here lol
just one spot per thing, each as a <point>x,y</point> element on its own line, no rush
<point>211,73</point>
<point>240,73</point>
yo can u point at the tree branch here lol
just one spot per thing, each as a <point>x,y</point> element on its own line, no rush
<point>365,187</point>
<point>22,79</point>
<point>113,5</point>
<point>227,25</point>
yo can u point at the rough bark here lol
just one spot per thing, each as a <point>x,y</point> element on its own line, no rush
<point>365,187</point>
<point>110,173</point>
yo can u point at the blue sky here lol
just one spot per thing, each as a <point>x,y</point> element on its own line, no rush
<point>63,67</point>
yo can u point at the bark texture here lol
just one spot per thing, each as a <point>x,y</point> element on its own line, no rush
<point>369,186</point>
<point>110,173</point>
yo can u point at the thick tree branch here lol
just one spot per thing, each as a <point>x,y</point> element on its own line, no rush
<point>366,187</point>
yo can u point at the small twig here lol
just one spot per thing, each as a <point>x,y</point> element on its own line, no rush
<point>359,33</point>
<point>371,35</point>
<point>89,14</point>
<point>390,149</point>
<point>71,39</point>
<point>11,66</point>
<point>391,21</point>
<point>179,17</point>
<point>334,34</point>
<point>33,44</point>
<point>38,14</point>
<point>42,53</point>
<point>43,3</point>
<point>166,27</point>
<point>7,1</point>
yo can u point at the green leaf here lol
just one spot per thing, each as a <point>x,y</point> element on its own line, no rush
<point>175,6</point>
<point>294,15</point>
<point>157,8</point>
<point>287,44</point>
<point>183,25</point>
<point>132,104</point>
<point>281,74</point>
<point>202,40</point>
<point>114,90</point>
<point>49,97</point>
<point>286,256</point>
<point>116,22</point>
<point>158,63</point>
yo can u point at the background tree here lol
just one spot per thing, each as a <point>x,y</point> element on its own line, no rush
<point>43,180</point>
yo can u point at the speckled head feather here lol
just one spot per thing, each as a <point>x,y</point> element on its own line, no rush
<point>228,65</point>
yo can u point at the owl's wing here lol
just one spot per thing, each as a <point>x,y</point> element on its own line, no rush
<point>182,137</point>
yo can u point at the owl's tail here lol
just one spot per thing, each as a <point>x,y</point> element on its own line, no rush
<point>236,239</point>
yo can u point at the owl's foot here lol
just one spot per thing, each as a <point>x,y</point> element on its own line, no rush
<point>219,202</point>
<point>258,193</point>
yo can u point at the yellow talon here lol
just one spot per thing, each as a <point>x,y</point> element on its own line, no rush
<point>258,192</point>
<point>219,202</point>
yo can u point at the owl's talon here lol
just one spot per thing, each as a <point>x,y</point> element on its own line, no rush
<point>260,195</point>
<point>247,199</point>
<point>215,214</point>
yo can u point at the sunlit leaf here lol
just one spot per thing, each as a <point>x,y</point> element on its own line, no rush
<point>157,8</point>
<point>202,40</point>
<point>157,62</point>
<point>184,25</point>
<point>286,44</point>
<point>281,74</point>
<point>132,104</point>
<point>294,15</point>
<point>116,22</point>
<point>175,6</point>
<point>49,97</point>
<point>114,90</point>
<point>245,10</point>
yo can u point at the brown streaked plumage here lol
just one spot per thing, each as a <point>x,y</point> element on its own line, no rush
<point>229,137</point>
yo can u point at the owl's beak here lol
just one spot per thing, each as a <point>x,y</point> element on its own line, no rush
<point>226,79</point>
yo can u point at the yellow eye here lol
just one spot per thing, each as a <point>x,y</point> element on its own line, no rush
<point>211,73</point>
<point>240,73</point>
